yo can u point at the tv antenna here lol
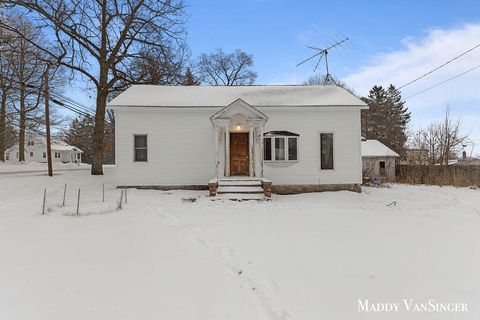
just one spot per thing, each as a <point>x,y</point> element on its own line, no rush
<point>323,52</point>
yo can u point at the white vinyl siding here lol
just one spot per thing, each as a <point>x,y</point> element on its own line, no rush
<point>181,149</point>
<point>180,146</point>
<point>309,122</point>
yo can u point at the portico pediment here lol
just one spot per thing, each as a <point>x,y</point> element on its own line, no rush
<point>239,106</point>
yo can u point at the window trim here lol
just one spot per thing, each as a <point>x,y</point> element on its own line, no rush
<point>135,149</point>
<point>320,150</point>
<point>272,146</point>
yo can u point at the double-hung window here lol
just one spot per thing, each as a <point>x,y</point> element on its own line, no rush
<point>140,148</point>
<point>280,146</point>
<point>326,151</point>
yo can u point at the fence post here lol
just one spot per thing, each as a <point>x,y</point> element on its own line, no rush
<point>78,201</point>
<point>121,200</point>
<point>64,193</point>
<point>125,195</point>
<point>44,197</point>
<point>103,192</point>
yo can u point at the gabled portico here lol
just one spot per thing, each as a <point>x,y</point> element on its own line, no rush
<point>239,140</point>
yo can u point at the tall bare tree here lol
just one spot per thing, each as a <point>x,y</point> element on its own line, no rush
<point>28,66</point>
<point>6,83</point>
<point>228,69</point>
<point>443,140</point>
<point>99,40</point>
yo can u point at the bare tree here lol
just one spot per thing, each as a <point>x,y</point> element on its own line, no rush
<point>100,39</point>
<point>159,66</point>
<point>322,79</point>
<point>6,82</point>
<point>228,69</point>
<point>443,140</point>
<point>28,67</point>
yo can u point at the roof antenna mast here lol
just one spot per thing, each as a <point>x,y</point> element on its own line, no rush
<point>323,52</point>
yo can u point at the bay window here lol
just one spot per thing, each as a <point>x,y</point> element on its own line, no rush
<point>280,146</point>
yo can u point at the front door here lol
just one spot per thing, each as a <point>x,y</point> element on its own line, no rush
<point>239,154</point>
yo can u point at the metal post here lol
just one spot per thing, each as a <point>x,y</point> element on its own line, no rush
<point>44,197</point>
<point>121,200</point>
<point>64,193</point>
<point>78,201</point>
<point>103,192</point>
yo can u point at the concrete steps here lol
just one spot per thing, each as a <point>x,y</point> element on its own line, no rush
<point>240,196</point>
<point>239,189</point>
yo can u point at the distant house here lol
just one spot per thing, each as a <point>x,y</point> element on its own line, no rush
<point>377,159</point>
<point>36,150</point>
<point>469,162</point>
<point>416,156</point>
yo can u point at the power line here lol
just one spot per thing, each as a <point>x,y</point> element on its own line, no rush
<point>441,66</point>
<point>59,99</point>
<point>440,83</point>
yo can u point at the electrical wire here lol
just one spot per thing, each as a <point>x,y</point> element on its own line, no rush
<point>440,83</point>
<point>440,66</point>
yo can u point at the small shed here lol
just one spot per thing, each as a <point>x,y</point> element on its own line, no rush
<point>378,160</point>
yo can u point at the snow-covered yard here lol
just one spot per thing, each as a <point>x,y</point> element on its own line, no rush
<point>310,256</point>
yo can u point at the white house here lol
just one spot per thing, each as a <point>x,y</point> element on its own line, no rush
<point>36,150</point>
<point>291,138</point>
<point>378,159</point>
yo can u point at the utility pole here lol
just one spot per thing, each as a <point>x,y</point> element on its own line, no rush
<point>47,123</point>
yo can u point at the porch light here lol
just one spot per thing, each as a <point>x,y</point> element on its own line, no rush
<point>238,127</point>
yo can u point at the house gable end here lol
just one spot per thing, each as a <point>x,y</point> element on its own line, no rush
<point>242,107</point>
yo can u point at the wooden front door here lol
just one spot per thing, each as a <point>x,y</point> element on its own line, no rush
<point>239,154</point>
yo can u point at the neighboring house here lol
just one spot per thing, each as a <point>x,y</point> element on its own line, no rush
<point>36,150</point>
<point>378,159</point>
<point>469,162</point>
<point>298,138</point>
<point>416,156</point>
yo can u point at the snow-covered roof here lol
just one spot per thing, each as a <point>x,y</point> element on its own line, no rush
<point>374,148</point>
<point>56,145</point>
<point>218,96</point>
<point>64,147</point>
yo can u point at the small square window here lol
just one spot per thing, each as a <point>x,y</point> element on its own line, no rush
<point>31,154</point>
<point>44,154</point>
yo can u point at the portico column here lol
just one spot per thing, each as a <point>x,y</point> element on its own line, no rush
<point>251,153</point>
<point>227,151</point>
<point>261,151</point>
<point>217,162</point>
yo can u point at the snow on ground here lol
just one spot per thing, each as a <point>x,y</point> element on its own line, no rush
<point>309,256</point>
<point>29,167</point>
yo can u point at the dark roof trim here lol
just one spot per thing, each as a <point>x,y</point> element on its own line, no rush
<point>281,133</point>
